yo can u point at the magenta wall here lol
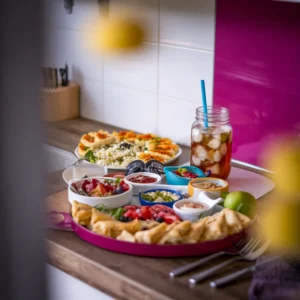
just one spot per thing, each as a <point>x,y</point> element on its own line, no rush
<point>257,71</point>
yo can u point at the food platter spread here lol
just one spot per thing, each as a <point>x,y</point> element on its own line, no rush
<point>137,230</point>
<point>118,149</point>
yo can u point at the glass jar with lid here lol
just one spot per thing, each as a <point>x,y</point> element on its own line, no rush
<point>211,141</point>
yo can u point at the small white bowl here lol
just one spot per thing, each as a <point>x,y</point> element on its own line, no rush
<point>194,214</point>
<point>109,202</point>
<point>142,187</point>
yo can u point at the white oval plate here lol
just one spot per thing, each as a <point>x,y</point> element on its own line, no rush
<point>124,168</point>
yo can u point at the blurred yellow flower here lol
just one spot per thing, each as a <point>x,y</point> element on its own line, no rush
<point>119,35</point>
<point>284,160</point>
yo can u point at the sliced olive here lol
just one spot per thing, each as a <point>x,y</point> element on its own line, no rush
<point>136,164</point>
<point>153,170</point>
<point>156,164</point>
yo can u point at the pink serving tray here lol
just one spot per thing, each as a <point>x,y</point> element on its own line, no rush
<point>155,250</point>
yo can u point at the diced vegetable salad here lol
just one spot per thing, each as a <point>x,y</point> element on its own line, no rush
<point>160,196</point>
<point>183,172</point>
<point>158,213</point>
<point>107,187</point>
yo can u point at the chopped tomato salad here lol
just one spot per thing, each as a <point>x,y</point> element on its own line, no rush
<point>142,179</point>
<point>159,213</point>
<point>104,188</point>
<point>183,172</point>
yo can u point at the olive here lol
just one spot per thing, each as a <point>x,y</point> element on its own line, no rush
<point>136,163</point>
<point>156,164</point>
<point>153,170</point>
<point>160,219</point>
<point>118,190</point>
<point>122,219</point>
<point>125,145</point>
<point>134,170</point>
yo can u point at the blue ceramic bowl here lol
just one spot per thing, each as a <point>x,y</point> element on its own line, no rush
<point>174,179</point>
<point>149,203</point>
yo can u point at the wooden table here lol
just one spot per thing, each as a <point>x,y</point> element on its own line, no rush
<point>121,276</point>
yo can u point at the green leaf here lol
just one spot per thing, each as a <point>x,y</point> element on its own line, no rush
<point>90,156</point>
<point>117,181</point>
<point>118,213</point>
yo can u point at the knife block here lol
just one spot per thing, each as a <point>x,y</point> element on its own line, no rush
<point>61,103</point>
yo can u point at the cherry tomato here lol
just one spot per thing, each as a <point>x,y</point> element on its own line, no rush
<point>159,207</point>
<point>124,185</point>
<point>109,188</point>
<point>169,219</point>
<point>131,214</point>
<point>89,187</point>
<point>94,182</point>
<point>145,212</point>
<point>102,188</point>
<point>84,184</point>
<point>129,207</point>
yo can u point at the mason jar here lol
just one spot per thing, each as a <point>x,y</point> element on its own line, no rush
<point>211,141</point>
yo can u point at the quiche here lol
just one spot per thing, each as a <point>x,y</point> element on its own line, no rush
<point>118,149</point>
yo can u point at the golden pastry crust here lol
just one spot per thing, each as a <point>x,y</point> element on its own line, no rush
<point>103,138</point>
<point>99,216</point>
<point>81,213</point>
<point>89,139</point>
<point>126,237</point>
<point>114,228</point>
<point>82,149</point>
<point>146,157</point>
<point>151,236</point>
<point>176,234</point>
<point>218,226</point>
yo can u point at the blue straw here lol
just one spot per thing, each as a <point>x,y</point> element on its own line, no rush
<point>204,104</point>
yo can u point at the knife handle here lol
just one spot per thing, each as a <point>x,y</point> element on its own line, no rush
<point>207,273</point>
<point>226,279</point>
<point>189,267</point>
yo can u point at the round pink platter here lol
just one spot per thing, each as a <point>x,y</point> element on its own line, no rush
<point>155,250</point>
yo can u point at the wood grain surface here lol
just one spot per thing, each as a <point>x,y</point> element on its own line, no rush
<point>119,275</point>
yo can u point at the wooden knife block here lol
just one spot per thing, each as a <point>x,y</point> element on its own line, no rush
<point>61,103</point>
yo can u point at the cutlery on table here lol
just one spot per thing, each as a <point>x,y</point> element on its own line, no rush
<point>249,252</point>
<point>228,278</point>
<point>189,267</point>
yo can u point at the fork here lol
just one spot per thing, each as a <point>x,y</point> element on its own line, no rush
<point>249,252</point>
<point>189,267</point>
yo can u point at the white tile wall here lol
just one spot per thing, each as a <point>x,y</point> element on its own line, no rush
<point>92,99</point>
<point>85,14</point>
<point>180,72</point>
<point>135,70</point>
<point>130,108</point>
<point>73,47</point>
<point>188,23</point>
<point>147,90</point>
<point>177,123</point>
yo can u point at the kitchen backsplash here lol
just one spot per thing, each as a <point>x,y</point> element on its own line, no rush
<point>155,89</point>
<point>257,71</point>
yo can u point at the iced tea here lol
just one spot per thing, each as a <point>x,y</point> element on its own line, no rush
<point>211,149</point>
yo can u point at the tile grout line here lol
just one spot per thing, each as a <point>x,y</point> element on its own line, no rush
<point>214,52</point>
<point>54,28</point>
<point>158,60</point>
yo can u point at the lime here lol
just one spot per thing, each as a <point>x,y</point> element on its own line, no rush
<point>247,209</point>
<point>234,199</point>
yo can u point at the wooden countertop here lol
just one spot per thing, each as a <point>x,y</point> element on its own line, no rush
<point>119,275</point>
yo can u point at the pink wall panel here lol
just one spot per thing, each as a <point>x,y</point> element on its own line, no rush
<point>257,71</point>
